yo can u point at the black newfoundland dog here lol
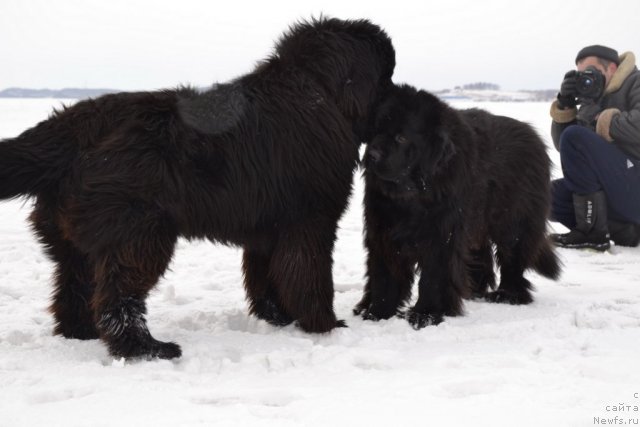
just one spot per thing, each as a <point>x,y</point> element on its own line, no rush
<point>442,187</point>
<point>264,162</point>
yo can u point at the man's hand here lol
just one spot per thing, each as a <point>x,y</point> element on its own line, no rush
<point>567,94</point>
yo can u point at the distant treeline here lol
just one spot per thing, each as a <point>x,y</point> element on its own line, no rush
<point>542,95</point>
<point>479,86</point>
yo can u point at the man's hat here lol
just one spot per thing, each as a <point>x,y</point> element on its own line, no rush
<point>599,51</point>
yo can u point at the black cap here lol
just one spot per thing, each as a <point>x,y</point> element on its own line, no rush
<point>599,51</point>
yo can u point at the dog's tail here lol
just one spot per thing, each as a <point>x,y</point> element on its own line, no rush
<point>547,262</point>
<point>35,161</point>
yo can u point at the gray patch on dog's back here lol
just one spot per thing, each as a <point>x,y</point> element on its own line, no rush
<point>214,111</point>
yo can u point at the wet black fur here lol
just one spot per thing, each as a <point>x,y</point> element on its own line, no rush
<point>443,187</point>
<point>264,162</point>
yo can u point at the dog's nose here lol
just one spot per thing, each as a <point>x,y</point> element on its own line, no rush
<point>375,155</point>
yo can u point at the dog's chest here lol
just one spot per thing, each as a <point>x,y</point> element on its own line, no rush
<point>409,228</point>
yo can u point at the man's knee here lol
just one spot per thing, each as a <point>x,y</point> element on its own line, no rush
<point>578,142</point>
<point>574,135</point>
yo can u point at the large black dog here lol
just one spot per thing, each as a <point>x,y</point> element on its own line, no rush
<point>443,186</point>
<point>264,162</point>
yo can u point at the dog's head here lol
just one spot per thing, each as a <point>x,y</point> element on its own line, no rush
<point>352,59</point>
<point>411,144</point>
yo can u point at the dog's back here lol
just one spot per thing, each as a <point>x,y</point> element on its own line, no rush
<point>518,172</point>
<point>35,162</point>
<point>514,156</point>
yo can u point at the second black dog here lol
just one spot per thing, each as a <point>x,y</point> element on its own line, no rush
<point>442,187</point>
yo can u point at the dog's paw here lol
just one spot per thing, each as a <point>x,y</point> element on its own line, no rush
<point>341,324</point>
<point>320,323</point>
<point>124,329</point>
<point>419,320</point>
<point>504,297</point>
<point>322,329</point>
<point>279,319</point>
<point>376,313</point>
<point>165,350</point>
<point>360,308</point>
<point>368,315</point>
<point>145,349</point>
<point>79,332</point>
<point>478,295</point>
<point>268,311</point>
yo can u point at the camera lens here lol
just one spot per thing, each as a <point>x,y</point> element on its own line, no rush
<point>587,83</point>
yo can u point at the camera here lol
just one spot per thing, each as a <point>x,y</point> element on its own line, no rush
<point>589,83</point>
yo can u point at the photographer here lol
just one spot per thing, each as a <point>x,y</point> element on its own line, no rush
<point>599,144</point>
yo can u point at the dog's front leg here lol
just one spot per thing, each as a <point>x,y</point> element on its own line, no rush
<point>390,275</point>
<point>301,269</point>
<point>444,281</point>
<point>261,290</point>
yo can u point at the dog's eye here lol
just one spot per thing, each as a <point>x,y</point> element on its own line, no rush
<point>401,139</point>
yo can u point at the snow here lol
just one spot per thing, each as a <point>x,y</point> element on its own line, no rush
<point>563,360</point>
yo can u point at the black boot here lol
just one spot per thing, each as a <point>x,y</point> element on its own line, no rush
<point>591,224</point>
<point>624,233</point>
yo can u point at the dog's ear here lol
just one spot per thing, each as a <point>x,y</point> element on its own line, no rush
<point>439,132</point>
<point>357,94</point>
<point>438,153</point>
<point>447,148</point>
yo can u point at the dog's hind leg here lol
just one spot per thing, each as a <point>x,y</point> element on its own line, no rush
<point>301,267</point>
<point>73,282</point>
<point>511,255</point>
<point>126,268</point>
<point>481,270</point>
<point>262,294</point>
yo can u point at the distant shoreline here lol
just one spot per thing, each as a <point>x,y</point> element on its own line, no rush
<point>69,93</point>
<point>446,94</point>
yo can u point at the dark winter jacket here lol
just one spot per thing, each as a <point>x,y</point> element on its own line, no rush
<point>615,116</point>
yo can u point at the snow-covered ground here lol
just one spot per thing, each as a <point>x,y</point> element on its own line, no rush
<point>569,358</point>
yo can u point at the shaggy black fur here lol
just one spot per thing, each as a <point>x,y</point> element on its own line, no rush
<point>443,186</point>
<point>264,162</point>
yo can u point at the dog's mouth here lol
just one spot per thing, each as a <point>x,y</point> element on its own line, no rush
<point>398,187</point>
<point>392,175</point>
<point>402,186</point>
<point>387,175</point>
<point>390,180</point>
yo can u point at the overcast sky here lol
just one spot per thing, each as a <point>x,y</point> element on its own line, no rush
<point>136,44</point>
